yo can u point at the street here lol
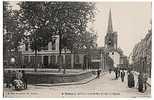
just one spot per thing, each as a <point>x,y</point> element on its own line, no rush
<point>106,86</point>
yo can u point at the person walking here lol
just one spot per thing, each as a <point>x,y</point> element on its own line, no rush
<point>145,78</point>
<point>110,70</point>
<point>98,73</point>
<point>122,75</point>
<point>131,82</point>
<point>116,73</point>
<point>140,82</point>
<point>129,79</point>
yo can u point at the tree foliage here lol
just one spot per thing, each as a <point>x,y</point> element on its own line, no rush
<point>66,19</point>
<point>12,28</point>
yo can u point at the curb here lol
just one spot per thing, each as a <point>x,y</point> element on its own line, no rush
<point>64,84</point>
<point>72,83</point>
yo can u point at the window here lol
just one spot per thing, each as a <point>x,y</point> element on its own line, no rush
<point>45,48</point>
<point>68,59</point>
<point>76,59</point>
<point>54,44</point>
<point>53,59</point>
<point>39,59</point>
<point>112,53</point>
<point>25,59</point>
<point>32,59</point>
<point>60,59</point>
<point>26,47</point>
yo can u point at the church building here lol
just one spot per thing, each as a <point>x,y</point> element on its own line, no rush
<point>111,43</point>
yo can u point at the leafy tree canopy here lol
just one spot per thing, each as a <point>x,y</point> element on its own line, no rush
<point>66,19</point>
<point>12,28</point>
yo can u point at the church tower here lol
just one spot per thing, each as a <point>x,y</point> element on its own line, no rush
<point>111,36</point>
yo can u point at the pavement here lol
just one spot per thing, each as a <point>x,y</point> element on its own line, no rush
<point>106,86</point>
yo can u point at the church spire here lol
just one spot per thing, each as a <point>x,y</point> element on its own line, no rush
<point>110,28</point>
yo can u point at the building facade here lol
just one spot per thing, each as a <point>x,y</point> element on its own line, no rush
<point>49,57</point>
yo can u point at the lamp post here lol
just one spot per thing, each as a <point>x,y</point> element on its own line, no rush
<point>12,60</point>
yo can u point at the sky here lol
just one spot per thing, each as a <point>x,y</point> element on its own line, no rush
<point>131,20</point>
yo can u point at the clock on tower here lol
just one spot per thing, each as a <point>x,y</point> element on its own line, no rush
<point>111,36</point>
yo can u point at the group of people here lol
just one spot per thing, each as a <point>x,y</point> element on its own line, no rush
<point>16,79</point>
<point>142,79</point>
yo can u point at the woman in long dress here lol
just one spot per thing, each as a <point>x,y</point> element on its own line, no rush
<point>140,82</point>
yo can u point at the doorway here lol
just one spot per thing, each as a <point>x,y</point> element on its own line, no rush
<point>45,61</point>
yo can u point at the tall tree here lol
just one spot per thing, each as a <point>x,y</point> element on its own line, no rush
<point>66,19</point>
<point>12,30</point>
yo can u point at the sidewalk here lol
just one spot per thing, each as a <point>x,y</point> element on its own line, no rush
<point>148,81</point>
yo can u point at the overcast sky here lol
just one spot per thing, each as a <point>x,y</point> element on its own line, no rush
<point>131,20</point>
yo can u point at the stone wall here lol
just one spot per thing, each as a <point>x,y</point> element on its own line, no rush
<point>49,78</point>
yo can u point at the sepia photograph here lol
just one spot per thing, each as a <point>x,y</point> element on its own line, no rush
<point>77,49</point>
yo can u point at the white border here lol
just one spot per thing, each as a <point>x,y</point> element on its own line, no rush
<point>1,53</point>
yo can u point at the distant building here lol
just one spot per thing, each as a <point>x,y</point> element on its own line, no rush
<point>111,43</point>
<point>124,62</point>
<point>141,56</point>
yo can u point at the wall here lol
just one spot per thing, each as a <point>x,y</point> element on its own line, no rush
<point>115,57</point>
<point>49,78</point>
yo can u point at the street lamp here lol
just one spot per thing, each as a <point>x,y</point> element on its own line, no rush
<point>12,60</point>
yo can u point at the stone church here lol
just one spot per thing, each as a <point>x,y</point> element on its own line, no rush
<point>111,44</point>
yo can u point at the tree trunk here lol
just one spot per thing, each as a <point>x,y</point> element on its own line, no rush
<point>88,58</point>
<point>35,61</point>
<point>35,64</point>
<point>60,56</point>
